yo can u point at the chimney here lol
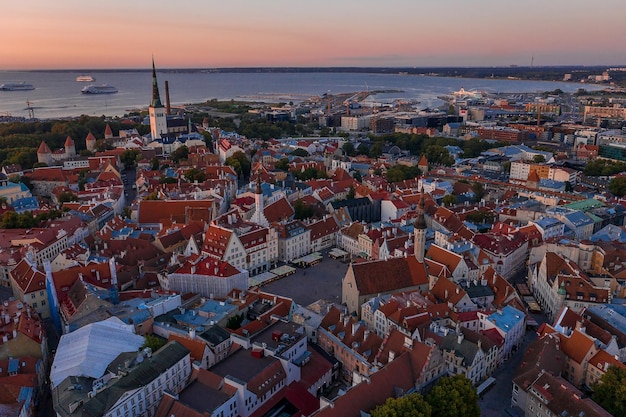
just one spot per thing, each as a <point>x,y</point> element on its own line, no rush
<point>459,338</point>
<point>168,108</point>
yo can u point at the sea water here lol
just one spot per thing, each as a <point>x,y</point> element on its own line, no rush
<point>57,93</point>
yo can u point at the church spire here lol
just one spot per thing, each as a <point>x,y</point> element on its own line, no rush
<point>258,182</point>
<point>156,97</point>
<point>420,223</point>
<point>419,229</point>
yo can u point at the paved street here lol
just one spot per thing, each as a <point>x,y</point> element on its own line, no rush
<point>496,402</point>
<point>308,285</point>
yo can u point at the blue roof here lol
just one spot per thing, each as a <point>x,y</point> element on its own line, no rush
<point>25,204</point>
<point>546,183</point>
<point>138,316</point>
<point>217,310</point>
<point>507,318</point>
<point>547,222</point>
<point>614,314</point>
<point>578,218</point>
<point>610,233</point>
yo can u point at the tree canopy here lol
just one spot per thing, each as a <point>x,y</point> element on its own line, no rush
<point>610,391</point>
<point>180,154</point>
<point>412,405</point>
<point>454,397</point>
<point>240,163</point>
<point>618,186</point>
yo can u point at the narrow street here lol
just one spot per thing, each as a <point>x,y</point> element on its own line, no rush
<point>496,402</point>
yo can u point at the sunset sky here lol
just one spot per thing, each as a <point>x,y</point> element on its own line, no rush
<point>56,34</point>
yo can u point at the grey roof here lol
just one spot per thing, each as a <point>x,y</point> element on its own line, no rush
<point>466,349</point>
<point>242,365</point>
<point>215,335</point>
<point>203,398</point>
<point>138,376</point>
<point>477,291</point>
<point>72,391</point>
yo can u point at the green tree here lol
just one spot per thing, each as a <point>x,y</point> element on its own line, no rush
<point>299,152</point>
<point>234,322</point>
<point>618,186</point>
<point>282,164</point>
<point>538,159</point>
<point>130,157</point>
<point>412,405</point>
<point>153,342</point>
<point>67,196</point>
<point>610,391</point>
<point>479,190</point>
<point>179,154</point>
<point>454,397</point>
<point>194,174</point>
<point>357,176</point>
<point>302,211</point>
<point>348,149</point>
<point>240,163</point>
<point>376,150</point>
<point>154,164</point>
<point>351,193</point>
<point>480,217</point>
<point>449,200</point>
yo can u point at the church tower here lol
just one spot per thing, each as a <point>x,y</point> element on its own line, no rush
<point>158,120</point>
<point>258,216</point>
<point>419,230</point>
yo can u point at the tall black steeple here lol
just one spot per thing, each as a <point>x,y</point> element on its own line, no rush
<point>156,97</point>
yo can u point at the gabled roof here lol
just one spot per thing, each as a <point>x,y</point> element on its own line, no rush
<point>278,210</point>
<point>443,256</point>
<point>156,211</point>
<point>28,277</point>
<point>382,276</point>
<point>447,291</point>
<point>324,227</point>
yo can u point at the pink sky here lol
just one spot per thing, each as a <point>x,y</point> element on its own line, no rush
<point>43,34</point>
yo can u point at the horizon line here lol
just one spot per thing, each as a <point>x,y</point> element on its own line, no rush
<point>292,67</point>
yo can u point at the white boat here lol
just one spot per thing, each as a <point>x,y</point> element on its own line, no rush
<point>21,86</point>
<point>99,89</point>
<point>85,79</point>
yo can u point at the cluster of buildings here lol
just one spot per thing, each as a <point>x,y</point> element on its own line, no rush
<point>159,301</point>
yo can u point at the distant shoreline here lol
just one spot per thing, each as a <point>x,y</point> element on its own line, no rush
<point>577,73</point>
<point>373,70</point>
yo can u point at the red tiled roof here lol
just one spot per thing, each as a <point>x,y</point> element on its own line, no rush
<point>323,228</point>
<point>154,211</point>
<point>43,148</point>
<point>445,257</point>
<point>278,210</point>
<point>28,277</point>
<point>393,274</point>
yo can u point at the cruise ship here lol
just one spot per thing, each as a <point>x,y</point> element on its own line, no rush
<point>85,79</point>
<point>99,89</point>
<point>21,86</point>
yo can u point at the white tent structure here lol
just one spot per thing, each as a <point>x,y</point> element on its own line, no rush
<point>89,350</point>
